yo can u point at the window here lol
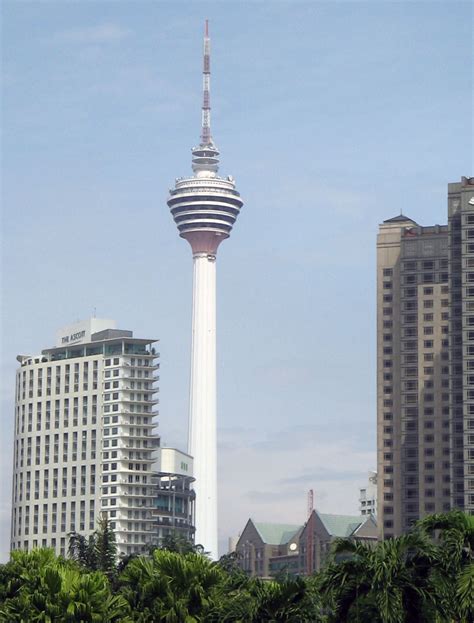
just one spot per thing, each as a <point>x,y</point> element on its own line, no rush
<point>428,304</point>
<point>428,331</point>
<point>387,272</point>
<point>428,291</point>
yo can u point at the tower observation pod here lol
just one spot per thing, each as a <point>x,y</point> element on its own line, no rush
<point>204,207</point>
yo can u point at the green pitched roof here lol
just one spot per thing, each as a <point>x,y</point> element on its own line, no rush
<point>276,533</point>
<point>341,525</point>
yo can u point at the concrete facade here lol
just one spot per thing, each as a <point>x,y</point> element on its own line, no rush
<point>368,496</point>
<point>423,363</point>
<point>84,440</point>
<point>267,550</point>
<point>173,495</point>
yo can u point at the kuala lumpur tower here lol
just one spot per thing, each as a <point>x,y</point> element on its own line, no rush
<point>204,207</point>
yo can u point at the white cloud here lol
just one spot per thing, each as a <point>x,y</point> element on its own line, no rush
<point>103,33</point>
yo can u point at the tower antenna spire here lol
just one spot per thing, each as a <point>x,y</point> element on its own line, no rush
<point>206,89</point>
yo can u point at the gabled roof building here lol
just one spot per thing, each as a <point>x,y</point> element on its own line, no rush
<point>268,549</point>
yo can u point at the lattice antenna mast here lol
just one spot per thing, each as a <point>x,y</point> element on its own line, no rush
<point>206,89</point>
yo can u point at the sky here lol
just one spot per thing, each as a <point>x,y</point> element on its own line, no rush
<point>331,116</point>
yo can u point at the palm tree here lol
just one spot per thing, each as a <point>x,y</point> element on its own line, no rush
<point>287,601</point>
<point>171,587</point>
<point>52,589</point>
<point>390,583</point>
<point>454,571</point>
<point>465,594</point>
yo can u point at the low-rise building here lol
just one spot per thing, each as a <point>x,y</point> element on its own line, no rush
<point>268,549</point>
<point>173,496</point>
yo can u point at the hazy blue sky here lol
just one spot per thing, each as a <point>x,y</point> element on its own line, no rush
<point>332,116</point>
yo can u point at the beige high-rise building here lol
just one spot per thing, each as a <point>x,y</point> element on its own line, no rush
<point>425,453</point>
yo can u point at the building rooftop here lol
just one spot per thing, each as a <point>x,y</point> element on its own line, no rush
<point>400,218</point>
<point>276,533</point>
<point>341,525</point>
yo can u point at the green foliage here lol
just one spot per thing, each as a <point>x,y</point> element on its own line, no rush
<point>390,583</point>
<point>43,588</point>
<point>98,552</point>
<point>179,544</point>
<point>171,587</point>
<point>426,576</point>
<point>105,547</point>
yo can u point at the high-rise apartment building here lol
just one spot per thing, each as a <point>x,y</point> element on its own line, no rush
<point>423,415</point>
<point>83,438</point>
<point>461,256</point>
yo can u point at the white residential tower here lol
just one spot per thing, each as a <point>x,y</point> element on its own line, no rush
<point>84,441</point>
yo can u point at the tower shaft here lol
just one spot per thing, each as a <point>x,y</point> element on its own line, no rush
<point>202,416</point>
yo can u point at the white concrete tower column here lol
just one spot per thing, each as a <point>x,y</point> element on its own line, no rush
<point>202,399</point>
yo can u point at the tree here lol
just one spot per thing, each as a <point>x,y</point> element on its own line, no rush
<point>453,574</point>
<point>98,551</point>
<point>105,547</point>
<point>53,589</point>
<point>171,587</point>
<point>287,601</point>
<point>390,583</point>
<point>82,550</point>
